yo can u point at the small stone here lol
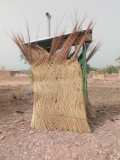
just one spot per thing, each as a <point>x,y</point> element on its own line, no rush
<point>21,112</point>
<point>112,119</point>
<point>2,137</point>
<point>31,132</point>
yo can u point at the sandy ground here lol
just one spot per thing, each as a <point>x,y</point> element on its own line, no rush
<point>19,142</point>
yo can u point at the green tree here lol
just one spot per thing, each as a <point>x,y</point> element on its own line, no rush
<point>111,69</point>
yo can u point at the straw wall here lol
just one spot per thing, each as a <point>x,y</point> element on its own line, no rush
<point>58,97</point>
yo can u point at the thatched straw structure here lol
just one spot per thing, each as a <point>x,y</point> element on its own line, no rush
<point>59,100</point>
<point>58,97</point>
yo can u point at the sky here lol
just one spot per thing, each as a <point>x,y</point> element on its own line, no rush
<point>15,14</point>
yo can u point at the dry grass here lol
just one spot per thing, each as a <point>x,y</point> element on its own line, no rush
<point>93,51</point>
<point>58,98</point>
<point>60,48</point>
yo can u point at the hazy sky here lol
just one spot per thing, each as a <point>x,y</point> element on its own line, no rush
<point>14,14</point>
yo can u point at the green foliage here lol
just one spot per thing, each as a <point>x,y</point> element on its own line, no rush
<point>2,68</point>
<point>30,75</point>
<point>111,69</point>
<point>89,68</point>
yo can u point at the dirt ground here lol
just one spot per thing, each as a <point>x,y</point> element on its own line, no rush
<point>19,142</point>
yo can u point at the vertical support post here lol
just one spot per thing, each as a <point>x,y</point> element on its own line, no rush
<point>84,68</point>
<point>83,63</point>
<point>48,15</point>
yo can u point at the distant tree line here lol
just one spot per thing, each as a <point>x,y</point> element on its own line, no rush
<point>108,69</point>
<point>111,69</point>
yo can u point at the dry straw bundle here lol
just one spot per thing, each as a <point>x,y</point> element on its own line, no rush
<point>57,83</point>
<point>58,97</point>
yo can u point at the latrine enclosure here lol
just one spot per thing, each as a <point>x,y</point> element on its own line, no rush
<point>59,71</point>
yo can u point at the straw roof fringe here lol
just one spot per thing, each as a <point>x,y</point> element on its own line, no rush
<point>59,51</point>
